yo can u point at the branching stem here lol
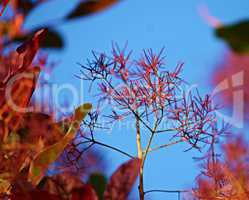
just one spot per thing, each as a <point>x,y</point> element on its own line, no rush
<point>140,156</point>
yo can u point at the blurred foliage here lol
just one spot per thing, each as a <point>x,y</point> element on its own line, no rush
<point>53,39</point>
<point>232,65</point>
<point>236,35</point>
<point>225,177</point>
<point>99,182</point>
<point>43,159</point>
<point>30,142</point>
<point>88,7</point>
<point>11,25</point>
<point>122,180</point>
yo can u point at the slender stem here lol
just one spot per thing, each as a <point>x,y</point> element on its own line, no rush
<point>140,156</point>
<point>149,143</point>
<point>148,148</point>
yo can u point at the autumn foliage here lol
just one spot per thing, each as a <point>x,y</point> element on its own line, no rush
<point>226,177</point>
<point>43,157</point>
<point>31,141</point>
<point>231,64</point>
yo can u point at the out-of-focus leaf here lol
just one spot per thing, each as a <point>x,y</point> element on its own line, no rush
<point>62,183</point>
<point>98,181</point>
<point>4,3</point>
<point>36,126</point>
<point>35,194</point>
<point>19,61</point>
<point>30,47</point>
<point>25,6</point>
<point>232,65</point>
<point>19,94</point>
<point>122,180</point>
<point>19,83</point>
<point>84,193</point>
<point>52,40</point>
<point>4,186</point>
<point>88,7</point>
<point>236,35</point>
<point>43,159</point>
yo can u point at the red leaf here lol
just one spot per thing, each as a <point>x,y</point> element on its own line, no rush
<point>122,181</point>
<point>20,84</point>
<point>36,194</point>
<point>19,61</point>
<point>84,193</point>
<point>29,49</point>
<point>17,97</point>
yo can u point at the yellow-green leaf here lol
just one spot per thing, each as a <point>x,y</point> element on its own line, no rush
<point>42,160</point>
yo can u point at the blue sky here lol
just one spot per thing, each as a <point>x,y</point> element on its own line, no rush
<point>175,25</point>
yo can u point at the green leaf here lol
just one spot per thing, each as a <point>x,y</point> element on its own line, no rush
<point>90,7</point>
<point>52,39</point>
<point>42,160</point>
<point>236,35</point>
<point>98,182</point>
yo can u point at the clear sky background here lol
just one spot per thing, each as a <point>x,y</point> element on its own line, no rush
<point>175,25</point>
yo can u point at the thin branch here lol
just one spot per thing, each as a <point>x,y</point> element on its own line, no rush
<point>165,145</point>
<point>178,192</point>
<point>110,147</point>
<point>149,143</point>
<point>167,191</point>
<point>129,107</point>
